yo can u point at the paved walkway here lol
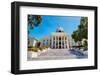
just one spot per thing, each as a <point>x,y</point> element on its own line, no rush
<point>60,54</point>
<point>78,53</point>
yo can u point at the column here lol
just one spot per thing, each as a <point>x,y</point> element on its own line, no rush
<point>58,41</point>
<point>67,43</point>
<point>61,41</point>
<point>55,42</point>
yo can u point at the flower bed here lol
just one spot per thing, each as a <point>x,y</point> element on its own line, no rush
<point>34,51</point>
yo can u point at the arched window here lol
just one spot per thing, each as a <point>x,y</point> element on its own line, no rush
<point>59,38</point>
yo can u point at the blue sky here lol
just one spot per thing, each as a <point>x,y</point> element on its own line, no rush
<point>49,24</point>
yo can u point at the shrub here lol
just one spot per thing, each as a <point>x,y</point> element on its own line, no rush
<point>85,45</point>
<point>41,48</point>
<point>44,47</point>
<point>47,46</point>
<point>30,46</point>
<point>34,49</point>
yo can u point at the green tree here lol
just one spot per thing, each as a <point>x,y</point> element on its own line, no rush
<point>83,27</point>
<point>75,36</point>
<point>85,44</point>
<point>33,21</point>
<point>82,31</point>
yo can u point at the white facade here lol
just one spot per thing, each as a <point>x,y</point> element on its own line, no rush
<point>32,41</point>
<point>58,40</point>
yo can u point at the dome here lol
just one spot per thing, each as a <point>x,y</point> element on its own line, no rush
<point>60,29</point>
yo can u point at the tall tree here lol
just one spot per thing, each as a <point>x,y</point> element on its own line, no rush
<point>33,21</point>
<point>83,27</point>
<point>82,31</point>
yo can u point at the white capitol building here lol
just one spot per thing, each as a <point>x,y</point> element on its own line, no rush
<point>58,40</point>
<point>58,44</point>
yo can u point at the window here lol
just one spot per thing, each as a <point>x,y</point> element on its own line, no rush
<point>59,38</point>
<point>65,38</point>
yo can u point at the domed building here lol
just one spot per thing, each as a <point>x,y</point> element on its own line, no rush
<point>58,40</point>
<point>60,29</point>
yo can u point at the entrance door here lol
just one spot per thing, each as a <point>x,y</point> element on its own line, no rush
<point>60,47</point>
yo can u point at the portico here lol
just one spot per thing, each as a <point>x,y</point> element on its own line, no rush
<point>59,39</point>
